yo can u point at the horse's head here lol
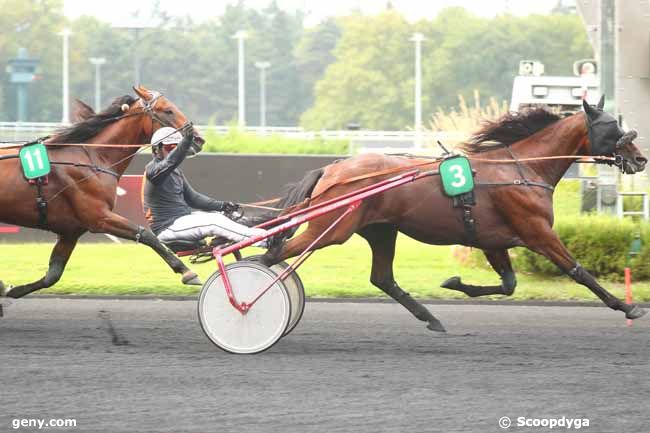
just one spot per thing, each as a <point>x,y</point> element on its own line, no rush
<point>162,112</point>
<point>606,138</point>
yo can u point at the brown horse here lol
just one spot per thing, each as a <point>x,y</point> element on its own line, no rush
<point>514,201</point>
<point>81,192</point>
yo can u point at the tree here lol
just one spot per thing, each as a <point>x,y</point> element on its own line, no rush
<point>369,83</point>
<point>314,54</point>
<point>34,25</point>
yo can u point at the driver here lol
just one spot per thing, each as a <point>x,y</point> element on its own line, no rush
<point>176,211</point>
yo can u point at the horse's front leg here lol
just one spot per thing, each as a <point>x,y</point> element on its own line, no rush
<point>500,261</point>
<point>58,259</point>
<point>540,238</point>
<point>121,227</point>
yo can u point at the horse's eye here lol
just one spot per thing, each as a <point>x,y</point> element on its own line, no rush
<point>170,112</point>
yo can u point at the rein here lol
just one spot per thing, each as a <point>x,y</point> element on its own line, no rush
<point>437,160</point>
<point>579,159</point>
<point>16,146</point>
<point>147,108</point>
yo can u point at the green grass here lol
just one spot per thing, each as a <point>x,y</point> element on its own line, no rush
<point>340,271</point>
<point>236,141</point>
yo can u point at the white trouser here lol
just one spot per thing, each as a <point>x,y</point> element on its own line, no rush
<point>200,225</point>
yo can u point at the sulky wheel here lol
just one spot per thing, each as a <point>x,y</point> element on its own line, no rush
<point>296,291</point>
<point>295,288</point>
<point>257,330</point>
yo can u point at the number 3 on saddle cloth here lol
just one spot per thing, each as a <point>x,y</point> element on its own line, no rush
<point>458,183</point>
<point>36,167</point>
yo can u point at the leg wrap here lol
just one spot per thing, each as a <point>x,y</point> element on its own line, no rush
<point>579,274</point>
<point>508,282</point>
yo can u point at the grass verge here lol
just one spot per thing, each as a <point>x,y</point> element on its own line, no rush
<point>337,271</point>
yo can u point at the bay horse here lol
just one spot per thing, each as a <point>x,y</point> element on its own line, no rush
<point>517,160</point>
<point>81,188</point>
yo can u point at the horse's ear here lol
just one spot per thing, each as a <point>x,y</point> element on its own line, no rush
<point>601,103</point>
<point>82,111</point>
<point>142,92</point>
<point>591,112</point>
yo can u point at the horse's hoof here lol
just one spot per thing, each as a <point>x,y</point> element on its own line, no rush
<point>435,325</point>
<point>451,283</point>
<point>4,290</point>
<point>5,303</point>
<point>635,312</point>
<point>191,279</point>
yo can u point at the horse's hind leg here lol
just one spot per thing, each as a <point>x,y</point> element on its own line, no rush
<point>58,259</point>
<point>121,227</point>
<point>381,238</point>
<point>500,262</point>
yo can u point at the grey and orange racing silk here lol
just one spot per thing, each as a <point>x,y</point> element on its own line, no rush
<point>167,194</point>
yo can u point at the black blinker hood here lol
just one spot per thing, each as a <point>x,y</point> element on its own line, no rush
<point>603,130</point>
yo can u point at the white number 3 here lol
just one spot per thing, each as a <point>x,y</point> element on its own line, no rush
<point>457,171</point>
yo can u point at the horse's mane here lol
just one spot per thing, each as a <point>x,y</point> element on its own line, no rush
<point>88,128</point>
<point>509,129</point>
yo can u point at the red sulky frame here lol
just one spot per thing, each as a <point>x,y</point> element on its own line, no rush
<point>352,200</point>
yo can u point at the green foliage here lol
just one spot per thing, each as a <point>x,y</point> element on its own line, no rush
<point>313,55</point>
<point>236,141</point>
<point>354,69</point>
<point>600,243</point>
<point>34,25</point>
<point>194,64</point>
<point>371,82</point>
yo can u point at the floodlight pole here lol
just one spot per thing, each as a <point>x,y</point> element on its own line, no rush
<point>98,62</point>
<point>262,67</point>
<point>418,38</point>
<point>66,79</point>
<point>240,36</point>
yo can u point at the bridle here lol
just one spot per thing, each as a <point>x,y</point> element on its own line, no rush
<point>627,138</point>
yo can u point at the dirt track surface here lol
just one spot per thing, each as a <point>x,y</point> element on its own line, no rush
<point>346,368</point>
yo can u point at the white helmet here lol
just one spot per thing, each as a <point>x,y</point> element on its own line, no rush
<point>166,135</point>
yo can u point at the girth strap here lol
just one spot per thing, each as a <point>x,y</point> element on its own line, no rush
<point>41,204</point>
<point>465,203</point>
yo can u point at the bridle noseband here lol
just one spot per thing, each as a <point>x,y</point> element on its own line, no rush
<point>627,138</point>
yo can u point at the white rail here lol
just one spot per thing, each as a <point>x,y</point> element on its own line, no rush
<point>31,130</point>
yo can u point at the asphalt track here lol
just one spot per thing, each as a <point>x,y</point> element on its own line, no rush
<point>145,366</point>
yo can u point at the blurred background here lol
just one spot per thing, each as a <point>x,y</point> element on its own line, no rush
<point>327,64</point>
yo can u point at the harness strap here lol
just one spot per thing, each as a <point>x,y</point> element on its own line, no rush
<point>465,203</point>
<point>521,182</point>
<point>41,204</point>
<point>91,166</point>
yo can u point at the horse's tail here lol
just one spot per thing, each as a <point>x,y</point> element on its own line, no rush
<point>295,194</point>
<point>294,198</point>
